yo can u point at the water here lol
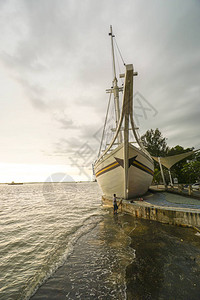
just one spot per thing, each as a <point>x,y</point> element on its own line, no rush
<point>58,242</point>
<point>39,226</point>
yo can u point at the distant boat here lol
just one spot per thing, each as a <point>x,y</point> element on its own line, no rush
<point>122,168</point>
<point>15,183</point>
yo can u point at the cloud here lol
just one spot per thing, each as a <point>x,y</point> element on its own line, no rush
<point>64,121</point>
<point>35,93</point>
<point>59,52</point>
<point>67,146</point>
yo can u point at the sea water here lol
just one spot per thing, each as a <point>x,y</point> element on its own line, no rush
<point>40,225</point>
<point>57,241</point>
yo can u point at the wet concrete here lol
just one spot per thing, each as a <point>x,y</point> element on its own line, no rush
<point>166,264</point>
<point>163,207</point>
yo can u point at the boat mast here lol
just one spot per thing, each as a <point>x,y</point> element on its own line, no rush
<point>115,87</point>
<point>128,100</point>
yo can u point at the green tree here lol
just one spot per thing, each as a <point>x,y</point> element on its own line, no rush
<point>155,143</point>
<point>157,176</point>
<point>191,171</point>
<point>197,156</point>
<point>186,171</point>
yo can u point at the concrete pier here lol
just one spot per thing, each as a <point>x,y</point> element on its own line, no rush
<point>179,189</point>
<point>179,214</point>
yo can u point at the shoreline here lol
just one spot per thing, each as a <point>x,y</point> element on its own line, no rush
<point>128,258</point>
<point>152,208</point>
<point>97,266</point>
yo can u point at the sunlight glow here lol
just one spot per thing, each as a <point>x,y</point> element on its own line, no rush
<point>34,173</point>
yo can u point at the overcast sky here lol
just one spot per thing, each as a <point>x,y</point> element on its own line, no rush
<point>55,64</point>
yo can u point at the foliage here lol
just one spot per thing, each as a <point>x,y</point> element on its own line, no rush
<point>191,171</point>
<point>155,143</point>
<point>197,156</point>
<point>157,176</point>
<point>186,170</point>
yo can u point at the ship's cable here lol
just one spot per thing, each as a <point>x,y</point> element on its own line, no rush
<point>104,125</point>
<point>119,51</point>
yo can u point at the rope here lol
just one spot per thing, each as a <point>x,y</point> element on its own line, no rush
<point>117,58</point>
<point>104,124</point>
<point>119,52</point>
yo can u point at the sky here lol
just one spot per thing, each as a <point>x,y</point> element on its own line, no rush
<point>55,65</point>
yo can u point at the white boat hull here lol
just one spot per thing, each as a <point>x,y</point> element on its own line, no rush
<point>109,172</point>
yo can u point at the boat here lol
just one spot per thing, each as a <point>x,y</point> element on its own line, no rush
<point>15,183</point>
<point>124,167</point>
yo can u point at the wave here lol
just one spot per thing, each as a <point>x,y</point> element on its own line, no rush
<point>59,255</point>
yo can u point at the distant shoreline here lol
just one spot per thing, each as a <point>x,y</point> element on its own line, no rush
<point>21,183</point>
